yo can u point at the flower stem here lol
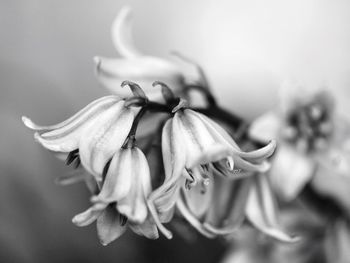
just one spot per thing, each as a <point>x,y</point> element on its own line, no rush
<point>222,115</point>
<point>208,95</point>
<point>130,139</point>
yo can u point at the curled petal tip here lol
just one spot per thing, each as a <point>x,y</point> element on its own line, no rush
<point>76,220</point>
<point>31,125</point>
<point>97,60</point>
<point>169,235</point>
<point>27,122</point>
<point>122,34</point>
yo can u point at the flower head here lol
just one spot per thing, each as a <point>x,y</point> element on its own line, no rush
<point>94,133</point>
<point>194,149</point>
<point>123,196</point>
<point>135,66</point>
<point>228,203</point>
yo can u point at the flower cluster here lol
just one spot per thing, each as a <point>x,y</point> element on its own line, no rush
<point>199,170</point>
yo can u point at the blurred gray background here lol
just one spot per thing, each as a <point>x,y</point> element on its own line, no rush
<point>46,72</point>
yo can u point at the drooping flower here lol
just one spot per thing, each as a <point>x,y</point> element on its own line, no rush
<point>135,66</point>
<point>313,138</point>
<point>225,207</point>
<point>93,134</point>
<point>250,246</point>
<point>194,148</point>
<point>122,200</point>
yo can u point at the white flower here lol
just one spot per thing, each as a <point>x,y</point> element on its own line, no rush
<point>95,133</point>
<point>194,147</point>
<point>228,203</point>
<point>128,184</point>
<point>135,66</point>
<point>124,193</point>
<point>312,140</point>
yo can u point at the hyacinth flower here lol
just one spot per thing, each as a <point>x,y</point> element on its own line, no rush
<point>101,137</point>
<point>221,208</point>
<point>250,246</point>
<point>122,199</point>
<point>92,135</point>
<point>313,142</point>
<point>135,66</point>
<point>196,150</point>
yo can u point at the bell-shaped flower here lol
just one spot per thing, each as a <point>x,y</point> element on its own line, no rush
<point>221,209</point>
<point>123,197</point>
<point>248,245</point>
<point>135,66</point>
<point>193,147</point>
<point>93,134</point>
<point>313,141</point>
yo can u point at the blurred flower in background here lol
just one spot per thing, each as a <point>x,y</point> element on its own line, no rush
<point>313,139</point>
<point>134,65</point>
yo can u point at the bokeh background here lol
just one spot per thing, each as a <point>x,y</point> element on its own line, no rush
<point>248,48</point>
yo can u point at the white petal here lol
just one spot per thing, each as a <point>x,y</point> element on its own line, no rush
<point>85,111</point>
<point>198,141</point>
<point>109,226</point>
<point>174,164</point>
<point>141,70</point>
<point>290,172</point>
<point>266,127</point>
<point>215,130</point>
<point>167,216</point>
<point>192,219</point>
<point>261,210</point>
<point>251,167</point>
<point>104,138</point>
<point>223,137</point>
<point>199,198</point>
<point>134,205</point>
<point>227,209</point>
<point>167,199</point>
<point>143,173</point>
<point>122,34</point>
<point>118,181</point>
<point>65,136</point>
<point>147,229</point>
<point>87,217</point>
